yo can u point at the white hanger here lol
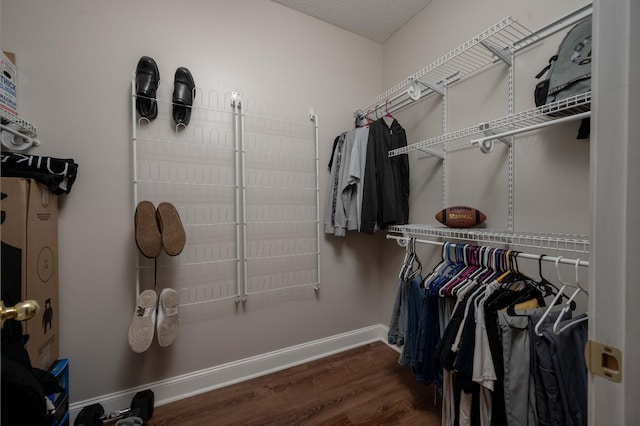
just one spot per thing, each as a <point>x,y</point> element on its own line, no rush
<point>407,272</point>
<point>567,307</point>
<point>553,302</point>
<point>405,262</point>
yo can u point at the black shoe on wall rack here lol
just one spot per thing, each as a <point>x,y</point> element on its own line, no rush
<point>147,80</point>
<point>184,89</point>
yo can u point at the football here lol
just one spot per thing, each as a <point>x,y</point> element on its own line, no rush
<point>460,217</point>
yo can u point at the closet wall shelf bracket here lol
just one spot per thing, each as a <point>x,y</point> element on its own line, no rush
<point>436,87</point>
<point>434,152</point>
<point>503,54</point>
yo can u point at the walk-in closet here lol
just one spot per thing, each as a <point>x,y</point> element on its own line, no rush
<point>297,221</point>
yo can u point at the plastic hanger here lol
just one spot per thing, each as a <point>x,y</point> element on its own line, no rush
<point>405,262</point>
<point>545,284</point>
<point>557,297</point>
<point>386,109</point>
<point>486,270</point>
<point>387,117</point>
<point>460,274</point>
<point>463,277</point>
<point>569,306</point>
<point>447,274</point>
<point>435,272</point>
<point>411,265</point>
<point>471,273</point>
<point>359,120</point>
<point>531,292</point>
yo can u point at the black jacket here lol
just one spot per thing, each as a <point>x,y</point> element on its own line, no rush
<point>385,197</point>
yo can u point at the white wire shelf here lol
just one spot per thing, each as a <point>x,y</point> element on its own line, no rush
<point>480,51</point>
<point>522,120</point>
<point>562,242</point>
<point>21,134</point>
<point>25,127</point>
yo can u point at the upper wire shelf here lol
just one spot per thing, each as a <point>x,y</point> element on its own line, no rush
<point>25,127</point>
<point>546,113</point>
<point>564,242</point>
<point>482,50</point>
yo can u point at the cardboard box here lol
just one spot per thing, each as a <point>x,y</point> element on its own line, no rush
<point>30,261</point>
<point>8,84</point>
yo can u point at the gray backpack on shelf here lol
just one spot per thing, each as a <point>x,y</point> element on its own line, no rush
<point>569,69</point>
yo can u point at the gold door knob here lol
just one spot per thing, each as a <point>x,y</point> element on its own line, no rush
<point>22,311</point>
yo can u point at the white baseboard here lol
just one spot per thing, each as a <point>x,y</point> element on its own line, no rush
<point>176,388</point>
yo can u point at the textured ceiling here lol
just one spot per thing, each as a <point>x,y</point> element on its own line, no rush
<point>374,19</point>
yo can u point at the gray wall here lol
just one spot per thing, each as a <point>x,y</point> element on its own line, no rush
<point>75,61</point>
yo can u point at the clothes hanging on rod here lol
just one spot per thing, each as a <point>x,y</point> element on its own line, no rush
<point>367,189</point>
<point>341,212</point>
<point>483,350</point>
<point>385,199</point>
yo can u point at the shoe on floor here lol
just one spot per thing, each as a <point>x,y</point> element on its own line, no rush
<point>183,92</point>
<point>147,80</point>
<point>142,405</point>
<point>168,321</point>
<point>130,421</point>
<point>171,229</point>
<point>148,238</point>
<point>142,325</point>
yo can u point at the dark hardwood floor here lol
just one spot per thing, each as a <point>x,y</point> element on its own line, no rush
<point>362,386</point>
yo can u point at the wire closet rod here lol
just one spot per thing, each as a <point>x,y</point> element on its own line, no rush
<point>15,132</point>
<point>579,116</point>
<point>403,241</point>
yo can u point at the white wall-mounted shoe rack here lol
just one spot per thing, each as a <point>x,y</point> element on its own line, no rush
<point>247,190</point>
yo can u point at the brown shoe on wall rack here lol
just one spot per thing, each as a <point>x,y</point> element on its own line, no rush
<point>171,229</point>
<point>148,238</point>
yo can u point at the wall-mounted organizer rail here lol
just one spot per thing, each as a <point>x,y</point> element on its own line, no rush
<point>246,188</point>
<point>500,43</point>
<point>17,135</point>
